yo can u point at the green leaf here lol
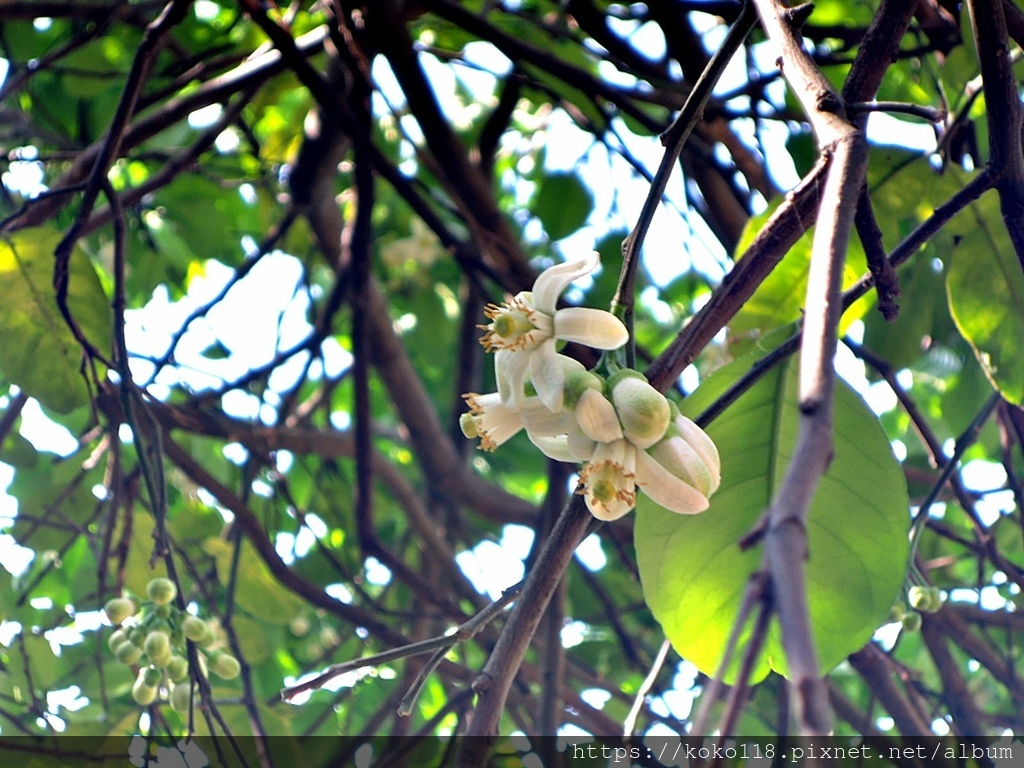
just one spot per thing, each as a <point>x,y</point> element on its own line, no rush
<point>986,294</point>
<point>257,591</point>
<point>779,300</point>
<point>692,569</point>
<point>562,204</point>
<point>39,352</point>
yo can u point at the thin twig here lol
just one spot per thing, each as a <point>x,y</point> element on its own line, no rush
<point>463,632</point>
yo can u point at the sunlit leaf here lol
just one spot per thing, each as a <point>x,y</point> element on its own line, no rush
<point>692,569</point>
<point>39,352</point>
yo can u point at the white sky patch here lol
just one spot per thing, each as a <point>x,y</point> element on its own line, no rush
<point>490,568</point>
<point>45,434</point>
<point>590,554</point>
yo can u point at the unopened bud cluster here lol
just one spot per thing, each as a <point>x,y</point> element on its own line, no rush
<point>151,636</point>
<point>921,599</point>
<point>625,432</point>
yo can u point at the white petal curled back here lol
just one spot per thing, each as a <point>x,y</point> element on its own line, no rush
<point>553,280</point>
<point>666,489</point>
<point>594,327</point>
<point>597,417</point>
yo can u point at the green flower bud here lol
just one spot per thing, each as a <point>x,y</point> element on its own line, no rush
<point>180,695</point>
<point>225,666</point>
<point>195,629</point>
<point>137,635</point>
<point>177,670</point>
<point>152,676</point>
<point>912,621</point>
<point>119,609</point>
<point>144,695</point>
<point>128,653</point>
<point>163,611</point>
<point>643,411</point>
<point>161,591</point>
<point>925,599</point>
<point>117,637</point>
<point>157,644</point>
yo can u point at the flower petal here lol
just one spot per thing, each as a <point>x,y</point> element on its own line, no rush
<point>681,460</point>
<point>665,488</point>
<point>597,417</point>
<point>541,422</point>
<point>593,327</point>
<point>556,448</point>
<point>547,374</point>
<point>510,372</point>
<point>704,446</point>
<point>553,280</point>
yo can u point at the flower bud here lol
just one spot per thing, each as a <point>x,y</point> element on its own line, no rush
<point>224,665</point>
<point>194,628</point>
<point>643,411</point>
<point>912,621</point>
<point>688,453</point>
<point>180,695</point>
<point>157,644</point>
<point>925,599</point>
<point>143,694</point>
<point>597,418</point>
<point>161,591</point>
<point>119,609</point>
<point>128,652</point>
<point>117,637</point>
<point>177,670</point>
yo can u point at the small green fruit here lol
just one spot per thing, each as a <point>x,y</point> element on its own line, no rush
<point>161,591</point>
<point>119,609</point>
<point>128,652</point>
<point>157,644</point>
<point>194,628</point>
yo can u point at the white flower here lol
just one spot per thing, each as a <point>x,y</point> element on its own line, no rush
<point>609,480</point>
<point>680,472</point>
<point>522,332</point>
<point>495,423</point>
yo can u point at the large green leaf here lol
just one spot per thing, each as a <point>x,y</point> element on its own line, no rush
<point>562,204</point>
<point>986,294</point>
<point>39,352</point>
<point>694,573</point>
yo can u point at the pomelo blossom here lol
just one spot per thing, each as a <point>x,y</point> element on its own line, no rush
<point>494,421</point>
<point>523,331</point>
<point>630,442</point>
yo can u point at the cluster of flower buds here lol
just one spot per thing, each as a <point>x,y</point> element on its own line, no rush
<point>625,432</point>
<point>922,599</point>
<point>152,635</point>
